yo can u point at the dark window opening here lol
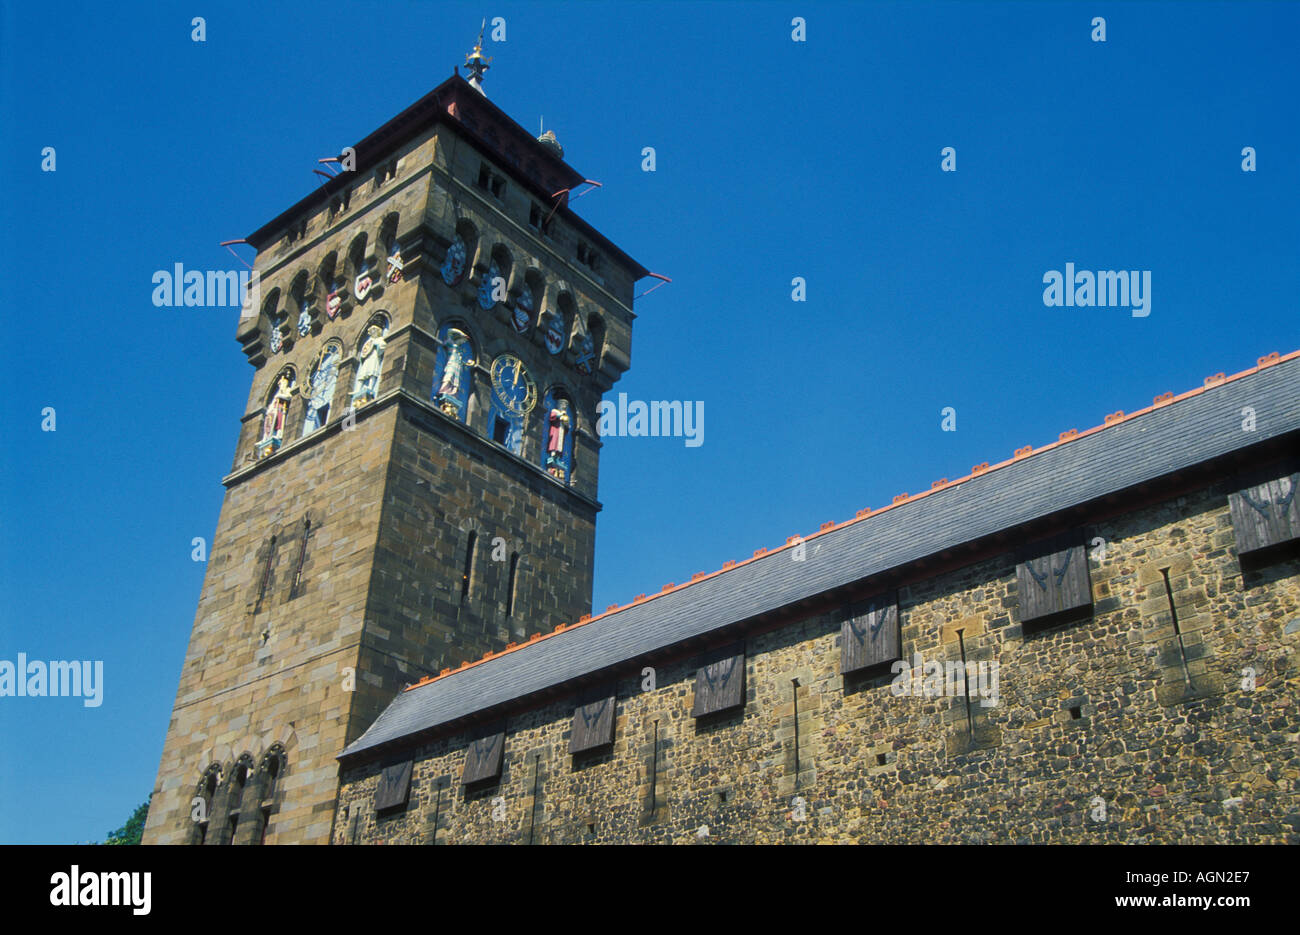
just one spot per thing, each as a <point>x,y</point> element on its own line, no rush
<point>880,759</point>
<point>207,792</point>
<point>510,587</point>
<point>266,576</point>
<point>538,219</point>
<point>1076,712</point>
<point>587,256</point>
<point>490,181</point>
<point>500,430</point>
<point>272,777</point>
<point>466,578</point>
<point>237,787</point>
<point>294,590</point>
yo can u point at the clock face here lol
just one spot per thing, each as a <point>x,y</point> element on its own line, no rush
<point>512,386</point>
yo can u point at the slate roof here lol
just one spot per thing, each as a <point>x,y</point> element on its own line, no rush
<point>1173,434</point>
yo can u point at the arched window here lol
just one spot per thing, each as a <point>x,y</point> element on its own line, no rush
<point>526,304</point>
<point>201,811</point>
<point>591,345</point>
<point>455,371</point>
<point>277,413</point>
<point>324,378</point>
<point>302,304</point>
<point>555,324</point>
<point>492,289</point>
<point>467,579</point>
<point>275,321</point>
<point>459,253</point>
<point>370,353</point>
<point>393,252</point>
<point>361,263</point>
<point>235,797</point>
<point>557,437</point>
<point>332,284</point>
<point>269,772</point>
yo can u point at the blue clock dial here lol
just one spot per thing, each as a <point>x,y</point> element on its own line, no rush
<point>513,387</point>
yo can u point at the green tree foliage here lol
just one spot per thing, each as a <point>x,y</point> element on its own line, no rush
<point>131,832</point>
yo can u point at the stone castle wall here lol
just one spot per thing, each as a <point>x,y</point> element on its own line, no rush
<point>1095,736</point>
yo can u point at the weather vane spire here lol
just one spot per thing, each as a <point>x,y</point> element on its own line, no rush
<point>477,63</point>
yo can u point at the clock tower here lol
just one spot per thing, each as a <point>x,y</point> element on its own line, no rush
<point>414,483</point>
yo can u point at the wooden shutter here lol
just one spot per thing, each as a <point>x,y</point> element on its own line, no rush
<point>720,682</point>
<point>1052,578</point>
<point>593,720</point>
<point>483,757</point>
<point>869,635</point>
<point>394,784</point>
<point>1265,514</point>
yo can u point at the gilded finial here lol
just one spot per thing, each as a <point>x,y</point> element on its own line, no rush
<point>477,63</point>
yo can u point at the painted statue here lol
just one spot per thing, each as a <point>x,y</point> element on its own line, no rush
<point>372,356</point>
<point>458,349</point>
<point>395,264</point>
<point>323,382</point>
<point>273,422</point>
<point>558,422</point>
<point>304,319</point>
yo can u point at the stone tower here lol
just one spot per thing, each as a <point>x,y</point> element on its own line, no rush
<point>414,483</point>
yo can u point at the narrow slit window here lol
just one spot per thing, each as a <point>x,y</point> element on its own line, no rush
<point>302,556</point>
<point>266,576</point>
<point>467,578</point>
<point>500,430</point>
<point>510,587</point>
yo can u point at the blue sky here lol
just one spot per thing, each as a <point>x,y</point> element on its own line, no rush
<point>775,159</point>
